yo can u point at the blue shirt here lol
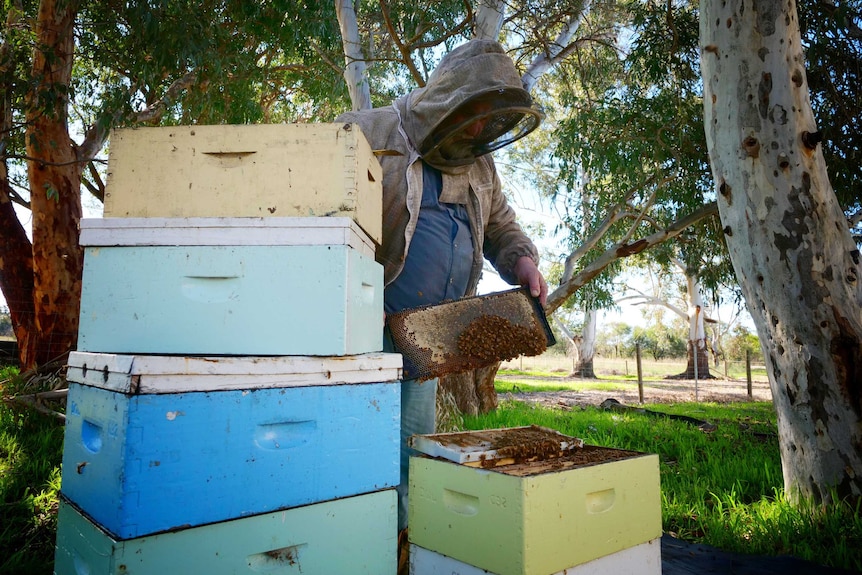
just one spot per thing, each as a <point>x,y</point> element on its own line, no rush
<point>440,256</point>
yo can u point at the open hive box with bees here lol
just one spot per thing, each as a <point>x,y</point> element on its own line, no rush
<point>530,500</point>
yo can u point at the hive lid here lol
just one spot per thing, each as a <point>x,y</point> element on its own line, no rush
<point>212,231</point>
<point>469,333</point>
<point>495,447</point>
<point>144,374</point>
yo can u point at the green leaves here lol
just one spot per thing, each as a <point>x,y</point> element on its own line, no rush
<point>51,192</point>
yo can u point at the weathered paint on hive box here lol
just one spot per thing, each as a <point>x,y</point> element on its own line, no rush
<point>537,524</point>
<point>245,170</point>
<point>134,374</point>
<point>354,535</point>
<point>641,559</point>
<point>141,464</point>
<point>231,300</point>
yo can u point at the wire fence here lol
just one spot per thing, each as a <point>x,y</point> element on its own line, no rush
<point>650,369</point>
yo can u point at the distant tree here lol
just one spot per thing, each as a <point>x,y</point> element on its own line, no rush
<point>660,342</point>
<point>614,339</point>
<point>742,342</point>
<point>5,323</point>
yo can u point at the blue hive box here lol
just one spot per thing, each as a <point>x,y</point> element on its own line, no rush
<point>230,286</point>
<point>145,462</point>
<point>355,535</point>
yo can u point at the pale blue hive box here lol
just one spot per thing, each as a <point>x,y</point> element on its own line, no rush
<point>145,462</point>
<point>355,535</point>
<point>230,286</point>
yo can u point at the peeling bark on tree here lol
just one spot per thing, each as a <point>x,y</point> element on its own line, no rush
<point>699,349</point>
<point>788,239</point>
<point>55,179</point>
<point>585,369</point>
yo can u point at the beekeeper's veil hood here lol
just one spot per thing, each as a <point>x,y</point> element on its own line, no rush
<point>475,87</point>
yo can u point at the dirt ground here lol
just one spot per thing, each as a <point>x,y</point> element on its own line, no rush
<point>718,390</point>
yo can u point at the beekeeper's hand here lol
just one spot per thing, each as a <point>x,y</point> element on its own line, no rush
<point>529,276</point>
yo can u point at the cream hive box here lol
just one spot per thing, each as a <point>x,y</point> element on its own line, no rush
<point>354,535</point>
<point>159,443</point>
<point>230,286</point>
<point>265,170</point>
<point>529,501</point>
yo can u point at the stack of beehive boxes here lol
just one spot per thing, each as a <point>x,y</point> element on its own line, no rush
<point>230,408</point>
<point>592,511</point>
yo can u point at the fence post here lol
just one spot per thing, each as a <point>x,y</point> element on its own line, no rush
<point>725,369</point>
<point>748,371</point>
<point>640,373</point>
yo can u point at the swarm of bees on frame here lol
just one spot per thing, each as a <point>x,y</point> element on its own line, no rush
<point>492,337</point>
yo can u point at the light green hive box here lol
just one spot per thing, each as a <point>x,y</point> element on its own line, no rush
<point>350,535</point>
<point>537,524</point>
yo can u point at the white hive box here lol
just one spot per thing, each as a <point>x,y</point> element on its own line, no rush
<point>230,286</point>
<point>532,517</point>
<point>245,170</point>
<point>642,559</point>
<point>353,535</point>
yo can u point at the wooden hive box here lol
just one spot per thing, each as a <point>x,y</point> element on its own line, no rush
<point>230,286</point>
<point>156,443</point>
<point>642,559</point>
<point>531,517</point>
<point>245,170</point>
<point>354,535</point>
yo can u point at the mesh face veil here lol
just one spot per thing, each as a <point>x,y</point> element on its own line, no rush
<point>486,123</point>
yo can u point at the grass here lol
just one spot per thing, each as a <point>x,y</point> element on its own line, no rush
<point>31,447</point>
<point>526,385</point>
<point>722,488</point>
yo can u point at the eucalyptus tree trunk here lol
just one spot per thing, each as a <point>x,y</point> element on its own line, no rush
<point>54,172</point>
<point>788,239</point>
<point>489,19</point>
<point>698,348</point>
<point>587,345</point>
<point>355,73</point>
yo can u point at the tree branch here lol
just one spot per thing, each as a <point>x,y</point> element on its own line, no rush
<point>402,49</point>
<point>615,214</point>
<point>556,50</point>
<point>97,186</point>
<point>619,251</point>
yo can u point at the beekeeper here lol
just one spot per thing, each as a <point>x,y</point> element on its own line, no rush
<point>443,209</point>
